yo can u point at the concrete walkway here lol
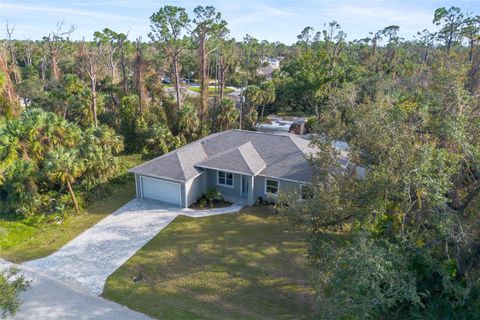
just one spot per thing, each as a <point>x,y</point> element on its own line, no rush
<point>50,299</point>
<point>89,259</point>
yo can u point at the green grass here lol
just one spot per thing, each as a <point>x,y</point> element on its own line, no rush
<point>36,237</point>
<point>249,265</point>
<point>30,239</point>
<point>211,90</point>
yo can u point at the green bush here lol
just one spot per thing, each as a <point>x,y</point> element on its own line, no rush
<point>211,195</point>
<point>311,124</point>
<point>202,203</point>
<point>36,170</point>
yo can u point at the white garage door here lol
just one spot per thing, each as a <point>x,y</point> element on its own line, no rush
<point>161,190</point>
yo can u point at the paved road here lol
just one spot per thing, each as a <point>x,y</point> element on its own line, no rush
<point>89,259</point>
<point>50,299</point>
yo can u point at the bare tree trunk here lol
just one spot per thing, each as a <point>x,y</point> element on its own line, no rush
<point>425,56</point>
<point>124,67</point>
<point>92,58</point>
<point>449,41</point>
<point>72,195</point>
<point>203,79</point>
<point>241,108</point>
<point>93,82</point>
<point>177,80</point>
<point>223,71</point>
<point>13,59</point>
<point>470,52</point>
<point>65,109</point>
<point>112,68</point>
<point>108,55</point>
<point>43,67</point>
<point>12,105</point>
<point>374,47</point>
<point>139,75</point>
<point>54,63</point>
<point>28,53</point>
<point>56,41</point>
<point>473,75</point>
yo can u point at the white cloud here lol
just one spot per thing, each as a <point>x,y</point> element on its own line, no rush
<point>255,13</point>
<point>280,20</point>
<point>59,11</point>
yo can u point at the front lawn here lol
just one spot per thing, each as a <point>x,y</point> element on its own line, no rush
<point>211,90</point>
<point>36,237</point>
<point>235,266</point>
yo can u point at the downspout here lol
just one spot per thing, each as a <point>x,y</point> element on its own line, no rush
<point>252,200</point>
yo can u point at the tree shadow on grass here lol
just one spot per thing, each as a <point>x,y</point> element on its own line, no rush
<point>235,266</point>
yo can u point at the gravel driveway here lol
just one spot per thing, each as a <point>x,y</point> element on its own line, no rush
<point>89,259</point>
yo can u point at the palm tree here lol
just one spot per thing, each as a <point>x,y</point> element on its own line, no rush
<point>268,94</point>
<point>253,95</point>
<point>188,122</point>
<point>10,149</point>
<point>228,114</point>
<point>261,95</point>
<point>98,147</point>
<point>63,166</point>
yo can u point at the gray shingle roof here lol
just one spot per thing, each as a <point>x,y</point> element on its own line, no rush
<point>244,159</point>
<point>247,152</point>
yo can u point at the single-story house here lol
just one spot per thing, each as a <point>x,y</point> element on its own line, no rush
<point>246,165</point>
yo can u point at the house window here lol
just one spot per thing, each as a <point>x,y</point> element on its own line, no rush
<point>271,186</point>
<point>306,192</point>
<point>225,179</point>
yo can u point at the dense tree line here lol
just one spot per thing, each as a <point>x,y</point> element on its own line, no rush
<point>60,98</point>
<point>404,241</point>
<point>409,110</point>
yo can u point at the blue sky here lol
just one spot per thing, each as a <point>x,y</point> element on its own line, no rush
<point>264,19</point>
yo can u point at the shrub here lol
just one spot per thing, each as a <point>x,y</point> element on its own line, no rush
<point>211,195</point>
<point>37,169</point>
<point>311,124</point>
<point>202,203</point>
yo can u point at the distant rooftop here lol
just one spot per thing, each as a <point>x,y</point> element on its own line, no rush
<point>278,124</point>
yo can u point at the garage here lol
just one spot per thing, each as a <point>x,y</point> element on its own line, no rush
<point>161,190</point>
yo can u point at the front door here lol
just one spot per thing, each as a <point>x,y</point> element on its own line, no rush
<point>245,186</point>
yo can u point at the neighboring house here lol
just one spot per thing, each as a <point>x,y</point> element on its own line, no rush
<point>269,66</point>
<point>280,124</point>
<point>275,63</point>
<point>266,71</point>
<point>240,164</point>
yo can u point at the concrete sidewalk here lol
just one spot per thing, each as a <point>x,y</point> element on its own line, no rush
<point>50,299</point>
